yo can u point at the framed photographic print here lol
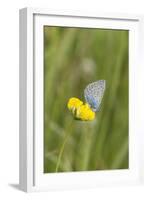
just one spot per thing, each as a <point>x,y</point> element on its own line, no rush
<point>80,80</point>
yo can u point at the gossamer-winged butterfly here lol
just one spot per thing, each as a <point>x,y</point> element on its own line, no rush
<point>93,94</point>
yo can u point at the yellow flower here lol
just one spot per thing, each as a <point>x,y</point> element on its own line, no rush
<point>85,113</point>
<point>74,103</point>
<point>80,111</point>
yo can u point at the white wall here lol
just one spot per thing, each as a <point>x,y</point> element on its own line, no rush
<point>9,40</point>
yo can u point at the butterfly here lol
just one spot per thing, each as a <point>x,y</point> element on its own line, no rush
<point>93,94</point>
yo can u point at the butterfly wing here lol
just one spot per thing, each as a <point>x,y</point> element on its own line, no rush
<point>93,94</point>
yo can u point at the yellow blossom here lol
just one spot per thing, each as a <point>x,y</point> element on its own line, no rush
<point>74,103</point>
<point>85,113</point>
<point>80,111</point>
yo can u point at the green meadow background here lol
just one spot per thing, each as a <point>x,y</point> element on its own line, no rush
<point>73,58</point>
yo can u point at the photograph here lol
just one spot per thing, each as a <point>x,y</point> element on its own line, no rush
<point>86,99</point>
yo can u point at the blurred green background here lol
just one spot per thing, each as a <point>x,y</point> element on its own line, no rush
<point>73,58</point>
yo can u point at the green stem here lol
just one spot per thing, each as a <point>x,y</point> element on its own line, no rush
<point>61,152</point>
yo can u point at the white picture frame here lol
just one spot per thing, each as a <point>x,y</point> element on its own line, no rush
<point>31,176</point>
